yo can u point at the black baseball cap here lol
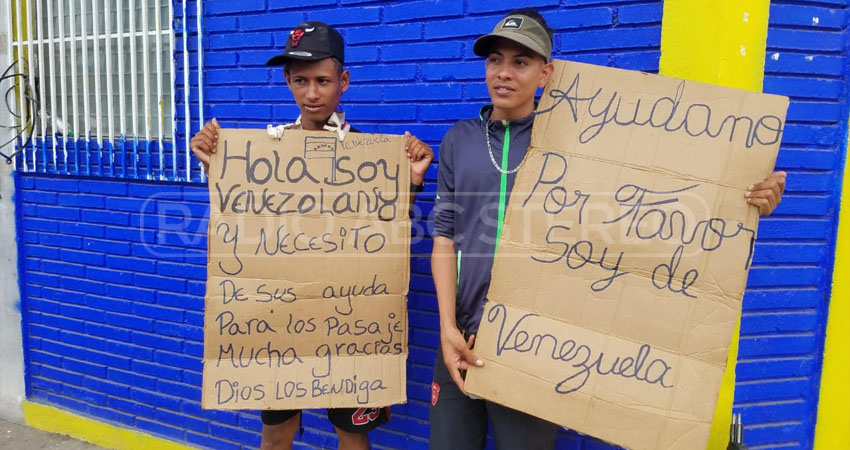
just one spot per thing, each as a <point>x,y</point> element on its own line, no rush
<point>311,41</point>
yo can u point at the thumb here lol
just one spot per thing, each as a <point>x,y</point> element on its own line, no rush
<point>215,123</point>
<point>471,358</point>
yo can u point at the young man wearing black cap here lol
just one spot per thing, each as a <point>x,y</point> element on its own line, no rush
<point>313,68</point>
<point>478,160</point>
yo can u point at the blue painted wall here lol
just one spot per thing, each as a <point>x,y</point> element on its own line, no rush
<point>785,307</point>
<point>114,269</point>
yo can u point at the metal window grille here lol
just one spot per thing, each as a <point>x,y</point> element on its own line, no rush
<point>91,85</point>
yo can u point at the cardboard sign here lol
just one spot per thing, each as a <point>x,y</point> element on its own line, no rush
<point>309,253</point>
<point>624,255</point>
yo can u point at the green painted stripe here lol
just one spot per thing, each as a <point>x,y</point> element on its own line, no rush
<point>503,185</point>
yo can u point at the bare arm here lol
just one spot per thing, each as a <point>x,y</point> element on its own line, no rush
<point>457,353</point>
<point>444,270</point>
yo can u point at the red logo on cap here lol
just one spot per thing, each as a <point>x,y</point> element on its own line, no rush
<point>296,36</point>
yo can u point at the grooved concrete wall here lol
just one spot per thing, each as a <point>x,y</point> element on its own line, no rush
<point>114,270</point>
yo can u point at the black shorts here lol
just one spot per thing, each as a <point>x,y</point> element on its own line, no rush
<point>353,420</point>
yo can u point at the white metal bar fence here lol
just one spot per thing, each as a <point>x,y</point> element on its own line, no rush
<point>66,59</point>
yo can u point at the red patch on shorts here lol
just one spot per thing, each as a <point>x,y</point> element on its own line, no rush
<point>435,393</point>
<point>365,415</point>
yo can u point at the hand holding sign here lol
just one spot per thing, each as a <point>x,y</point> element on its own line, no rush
<point>767,194</point>
<point>458,355</point>
<point>420,155</point>
<point>204,142</point>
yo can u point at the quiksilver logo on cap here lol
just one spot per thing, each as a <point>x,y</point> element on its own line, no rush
<point>514,23</point>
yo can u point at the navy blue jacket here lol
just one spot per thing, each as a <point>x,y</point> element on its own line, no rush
<point>468,200</point>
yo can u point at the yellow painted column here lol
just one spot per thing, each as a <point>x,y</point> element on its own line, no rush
<point>720,42</point>
<point>832,430</point>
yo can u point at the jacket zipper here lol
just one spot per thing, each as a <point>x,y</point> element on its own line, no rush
<point>503,185</point>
